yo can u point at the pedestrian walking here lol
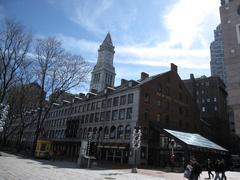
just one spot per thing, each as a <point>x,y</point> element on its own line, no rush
<point>188,170</point>
<point>222,168</point>
<point>209,169</point>
<point>217,169</point>
<point>196,171</point>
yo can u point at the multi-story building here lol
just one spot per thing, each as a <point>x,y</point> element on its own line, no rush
<point>113,113</point>
<point>211,97</point>
<point>230,22</point>
<point>217,55</point>
<point>110,113</point>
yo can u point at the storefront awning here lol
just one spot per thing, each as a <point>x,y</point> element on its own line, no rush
<point>194,139</point>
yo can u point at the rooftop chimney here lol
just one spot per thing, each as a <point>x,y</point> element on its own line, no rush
<point>192,76</point>
<point>144,75</point>
<point>173,68</point>
<point>123,81</point>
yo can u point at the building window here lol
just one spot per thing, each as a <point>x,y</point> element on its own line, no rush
<point>130,98</point>
<point>197,92</point>
<point>215,108</point>
<point>159,88</point>
<point>88,106</point>
<point>208,100</point>
<point>202,91</point>
<point>82,119</point>
<point>104,103</point>
<point>146,98</point>
<point>106,133</point>
<point>102,116</point>
<point>109,102</point>
<point>115,101</point>
<point>108,115</point>
<point>203,100</point>
<point>84,107</point>
<point>98,105</point>
<point>120,132</point>
<point>129,113</point>
<point>123,100</point>
<point>112,132</point>
<point>87,118</point>
<point>91,118</point>
<point>203,109</point>
<point>114,115</point>
<point>97,117</point>
<point>207,83</point>
<point>215,99</point>
<point>146,115</point>
<point>121,114</point>
<point>158,103</point>
<point>127,132</point>
<point>93,106</point>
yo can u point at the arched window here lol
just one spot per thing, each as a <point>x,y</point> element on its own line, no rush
<point>85,133</point>
<point>106,133</point>
<point>120,132</point>
<point>100,131</point>
<point>127,132</point>
<point>94,133</point>
<point>89,131</point>
<point>112,132</point>
<point>80,133</point>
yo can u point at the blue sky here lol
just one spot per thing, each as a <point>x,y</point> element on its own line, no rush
<point>148,34</point>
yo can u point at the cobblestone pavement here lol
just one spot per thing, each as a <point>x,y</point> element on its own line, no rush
<point>13,167</point>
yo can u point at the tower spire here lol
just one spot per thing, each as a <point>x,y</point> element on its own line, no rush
<point>108,40</point>
<point>103,74</point>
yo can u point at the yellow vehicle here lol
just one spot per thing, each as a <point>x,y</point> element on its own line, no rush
<point>43,149</point>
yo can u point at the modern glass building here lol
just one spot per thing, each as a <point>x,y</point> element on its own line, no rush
<point>217,55</point>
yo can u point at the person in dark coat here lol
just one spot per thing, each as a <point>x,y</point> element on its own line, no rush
<point>222,169</point>
<point>209,169</point>
<point>196,170</point>
<point>217,169</point>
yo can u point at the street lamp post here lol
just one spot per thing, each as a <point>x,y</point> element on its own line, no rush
<point>172,160</point>
<point>172,146</point>
<point>136,143</point>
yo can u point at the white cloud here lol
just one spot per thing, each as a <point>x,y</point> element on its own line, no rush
<point>78,45</point>
<point>188,21</point>
<point>189,24</point>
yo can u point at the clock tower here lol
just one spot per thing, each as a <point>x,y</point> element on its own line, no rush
<point>230,22</point>
<point>103,74</point>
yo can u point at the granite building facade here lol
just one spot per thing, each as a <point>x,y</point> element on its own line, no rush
<point>230,22</point>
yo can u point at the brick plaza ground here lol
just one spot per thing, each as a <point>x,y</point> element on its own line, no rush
<point>14,167</point>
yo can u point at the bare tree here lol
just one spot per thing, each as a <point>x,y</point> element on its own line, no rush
<point>14,46</point>
<point>57,73</point>
<point>22,99</point>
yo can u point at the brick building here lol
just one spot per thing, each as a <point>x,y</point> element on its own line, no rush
<point>210,95</point>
